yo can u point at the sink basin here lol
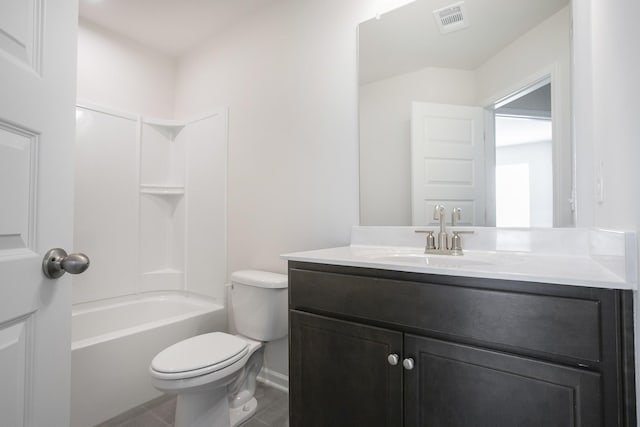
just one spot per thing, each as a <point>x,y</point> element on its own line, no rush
<point>445,261</point>
<point>416,257</point>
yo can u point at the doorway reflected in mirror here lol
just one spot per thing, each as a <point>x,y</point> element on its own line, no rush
<point>524,159</point>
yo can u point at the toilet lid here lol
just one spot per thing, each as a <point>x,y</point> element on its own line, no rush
<point>202,354</point>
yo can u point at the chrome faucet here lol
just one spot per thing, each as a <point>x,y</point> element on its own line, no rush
<point>441,245</point>
<point>443,238</point>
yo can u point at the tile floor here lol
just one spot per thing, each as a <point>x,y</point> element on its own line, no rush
<point>273,411</point>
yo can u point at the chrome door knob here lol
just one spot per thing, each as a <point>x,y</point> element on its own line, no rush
<point>393,359</point>
<point>408,364</point>
<point>56,262</point>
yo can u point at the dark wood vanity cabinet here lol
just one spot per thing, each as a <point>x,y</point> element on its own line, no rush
<point>470,352</point>
<point>459,385</point>
<point>343,377</point>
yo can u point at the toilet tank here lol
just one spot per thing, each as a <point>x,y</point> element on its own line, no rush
<point>259,304</point>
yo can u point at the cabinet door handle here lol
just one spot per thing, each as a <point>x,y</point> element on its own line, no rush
<point>408,363</point>
<point>393,359</point>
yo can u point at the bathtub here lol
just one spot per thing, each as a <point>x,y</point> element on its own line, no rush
<point>113,342</point>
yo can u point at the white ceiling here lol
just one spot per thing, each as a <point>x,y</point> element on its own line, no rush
<point>407,39</point>
<point>169,26</point>
<point>403,40</point>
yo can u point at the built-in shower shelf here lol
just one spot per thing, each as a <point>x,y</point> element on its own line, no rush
<point>171,128</point>
<point>162,190</point>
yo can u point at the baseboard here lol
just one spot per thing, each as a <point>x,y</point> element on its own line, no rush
<point>274,379</point>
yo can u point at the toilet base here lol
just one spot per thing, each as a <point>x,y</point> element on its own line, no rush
<point>242,413</point>
<point>209,408</point>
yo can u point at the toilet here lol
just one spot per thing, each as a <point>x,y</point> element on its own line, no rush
<point>214,374</point>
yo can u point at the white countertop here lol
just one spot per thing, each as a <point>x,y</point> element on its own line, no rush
<point>576,267</point>
<point>562,270</point>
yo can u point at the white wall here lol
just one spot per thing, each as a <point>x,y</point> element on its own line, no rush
<point>606,96</point>
<point>606,93</point>
<point>539,51</point>
<point>615,91</point>
<point>288,75</point>
<point>537,157</point>
<point>116,72</point>
<point>385,137</point>
<point>582,97</point>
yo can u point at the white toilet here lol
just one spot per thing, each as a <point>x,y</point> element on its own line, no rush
<point>214,375</point>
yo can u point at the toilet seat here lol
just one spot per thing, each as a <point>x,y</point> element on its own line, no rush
<point>199,355</point>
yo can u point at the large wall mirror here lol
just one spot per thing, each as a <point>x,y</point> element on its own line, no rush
<point>467,104</point>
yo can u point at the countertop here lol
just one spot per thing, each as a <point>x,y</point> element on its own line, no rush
<point>508,265</point>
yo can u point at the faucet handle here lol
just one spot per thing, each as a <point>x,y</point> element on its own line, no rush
<point>456,215</point>
<point>456,241</point>
<point>431,240</point>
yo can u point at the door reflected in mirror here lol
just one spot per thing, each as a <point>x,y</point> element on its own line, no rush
<point>477,119</point>
<point>524,159</point>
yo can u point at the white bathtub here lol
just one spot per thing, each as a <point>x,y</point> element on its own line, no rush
<point>113,342</point>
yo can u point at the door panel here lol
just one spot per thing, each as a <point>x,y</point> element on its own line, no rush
<point>16,350</point>
<point>447,161</point>
<point>20,26</point>
<point>18,157</point>
<point>454,385</point>
<point>38,67</point>
<point>340,374</point>
<point>18,178</point>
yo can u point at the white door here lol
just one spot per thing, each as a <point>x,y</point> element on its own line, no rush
<point>37,97</point>
<point>447,162</point>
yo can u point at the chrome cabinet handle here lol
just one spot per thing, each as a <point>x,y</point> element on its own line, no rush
<point>393,359</point>
<point>408,364</point>
<point>56,262</point>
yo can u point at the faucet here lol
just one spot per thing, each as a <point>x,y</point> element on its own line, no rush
<point>443,238</point>
<point>441,245</point>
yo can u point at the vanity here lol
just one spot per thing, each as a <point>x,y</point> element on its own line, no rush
<point>382,335</point>
<point>530,326</point>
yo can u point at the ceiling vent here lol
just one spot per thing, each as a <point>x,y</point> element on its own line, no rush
<point>451,18</point>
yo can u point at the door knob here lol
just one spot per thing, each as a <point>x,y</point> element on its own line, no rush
<point>408,364</point>
<point>393,359</point>
<point>56,262</point>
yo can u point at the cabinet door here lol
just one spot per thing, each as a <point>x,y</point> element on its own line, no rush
<point>453,385</point>
<point>340,375</point>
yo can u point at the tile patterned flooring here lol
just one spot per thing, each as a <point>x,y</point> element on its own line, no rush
<point>273,411</point>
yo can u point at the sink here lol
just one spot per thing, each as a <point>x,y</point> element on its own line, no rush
<point>445,261</point>
<point>416,257</point>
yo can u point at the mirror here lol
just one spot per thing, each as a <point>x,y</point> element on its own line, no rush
<point>477,116</point>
